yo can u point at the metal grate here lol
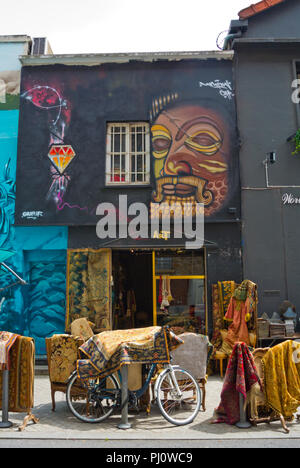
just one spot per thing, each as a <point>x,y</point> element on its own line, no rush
<point>128,153</point>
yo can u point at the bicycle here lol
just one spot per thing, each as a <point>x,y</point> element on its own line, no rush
<point>176,391</point>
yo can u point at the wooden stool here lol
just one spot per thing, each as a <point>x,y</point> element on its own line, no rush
<point>220,358</point>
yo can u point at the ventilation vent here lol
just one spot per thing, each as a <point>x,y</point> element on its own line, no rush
<point>41,46</point>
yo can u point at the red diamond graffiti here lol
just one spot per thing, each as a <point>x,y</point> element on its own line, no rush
<point>61,156</point>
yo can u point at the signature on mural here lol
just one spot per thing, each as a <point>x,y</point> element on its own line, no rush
<point>224,87</point>
<point>32,214</point>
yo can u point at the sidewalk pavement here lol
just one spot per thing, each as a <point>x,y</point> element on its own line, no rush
<point>62,425</point>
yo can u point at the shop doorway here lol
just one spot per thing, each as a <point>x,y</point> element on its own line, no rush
<point>159,287</point>
<point>132,296</point>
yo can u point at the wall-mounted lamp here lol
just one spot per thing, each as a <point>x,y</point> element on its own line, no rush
<point>232,210</point>
<point>271,158</point>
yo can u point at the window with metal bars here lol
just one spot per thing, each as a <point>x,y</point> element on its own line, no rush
<point>128,153</point>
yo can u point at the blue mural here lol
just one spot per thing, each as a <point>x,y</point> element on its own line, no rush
<point>38,308</point>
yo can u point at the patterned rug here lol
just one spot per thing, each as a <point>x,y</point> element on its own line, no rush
<point>240,376</point>
<point>21,376</point>
<point>88,287</point>
<point>109,351</point>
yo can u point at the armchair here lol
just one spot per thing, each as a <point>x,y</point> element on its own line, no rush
<point>259,411</point>
<point>193,356</point>
<point>62,355</point>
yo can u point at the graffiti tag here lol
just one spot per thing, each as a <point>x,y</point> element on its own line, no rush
<point>224,88</point>
<point>32,214</point>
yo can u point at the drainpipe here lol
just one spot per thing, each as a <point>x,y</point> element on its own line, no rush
<point>229,38</point>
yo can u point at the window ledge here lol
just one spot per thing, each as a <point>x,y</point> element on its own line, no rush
<point>128,186</point>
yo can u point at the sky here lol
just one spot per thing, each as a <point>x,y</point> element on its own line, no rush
<point>119,26</point>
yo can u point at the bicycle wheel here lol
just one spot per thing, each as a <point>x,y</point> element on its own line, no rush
<point>178,407</point>
<point>94,400</point>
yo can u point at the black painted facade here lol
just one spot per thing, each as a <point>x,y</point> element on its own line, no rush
<point>70,107</point>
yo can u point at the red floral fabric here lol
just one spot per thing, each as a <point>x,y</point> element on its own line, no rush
<point>240,376</point>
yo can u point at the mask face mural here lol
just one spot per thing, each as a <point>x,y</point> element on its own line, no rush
<point>190,153</point>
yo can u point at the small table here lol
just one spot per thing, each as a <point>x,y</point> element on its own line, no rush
<point>279,338</point>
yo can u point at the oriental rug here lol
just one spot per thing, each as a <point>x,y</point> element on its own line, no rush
<point>108,351</point>
<point>88,287</point>
<point>240,376</point>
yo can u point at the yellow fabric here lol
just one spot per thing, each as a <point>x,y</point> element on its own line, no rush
<point>21,376</point>
<point>108,351</point>
<point>226,290</point>
<point>81,328</point>
<point>225,349</point>
<point>252,338</point>
<point>109,342</point>
<point>63,356</point>
<point>281,366</point>
<point>88,287</point>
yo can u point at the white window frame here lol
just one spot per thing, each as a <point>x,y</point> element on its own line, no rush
<point>125,155</point>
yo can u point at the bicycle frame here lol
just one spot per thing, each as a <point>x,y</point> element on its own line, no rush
<point>168,369</point>
<point>142,390</point>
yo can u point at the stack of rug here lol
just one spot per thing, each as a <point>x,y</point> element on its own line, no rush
<point>277,329</point>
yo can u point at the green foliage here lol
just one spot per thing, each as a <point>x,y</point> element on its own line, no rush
<point>296,140</point>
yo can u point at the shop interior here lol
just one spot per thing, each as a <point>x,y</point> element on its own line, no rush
<point>161,287</point>
<point>132,301</point>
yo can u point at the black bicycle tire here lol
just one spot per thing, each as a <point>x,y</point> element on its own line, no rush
<point>162,410</point>
<point>74,412</point>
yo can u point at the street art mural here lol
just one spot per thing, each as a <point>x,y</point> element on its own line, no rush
<point>64,116</point>
<point>36,309</point>
<point>191,151</point>
<point>49,100</point>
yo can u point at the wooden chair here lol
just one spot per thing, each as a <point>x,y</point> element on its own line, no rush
<point>222,358</point>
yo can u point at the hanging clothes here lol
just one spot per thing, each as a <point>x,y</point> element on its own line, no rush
<point>240,311</point>
<point>131,303</point>
<point>165,292</point>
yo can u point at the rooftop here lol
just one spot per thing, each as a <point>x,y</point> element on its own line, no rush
<point>99,59</point>
<point>258,8</point>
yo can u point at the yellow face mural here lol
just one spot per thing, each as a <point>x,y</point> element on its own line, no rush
<point>190,149</point>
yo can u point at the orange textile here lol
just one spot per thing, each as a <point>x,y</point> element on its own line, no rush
<point>238,331</point>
